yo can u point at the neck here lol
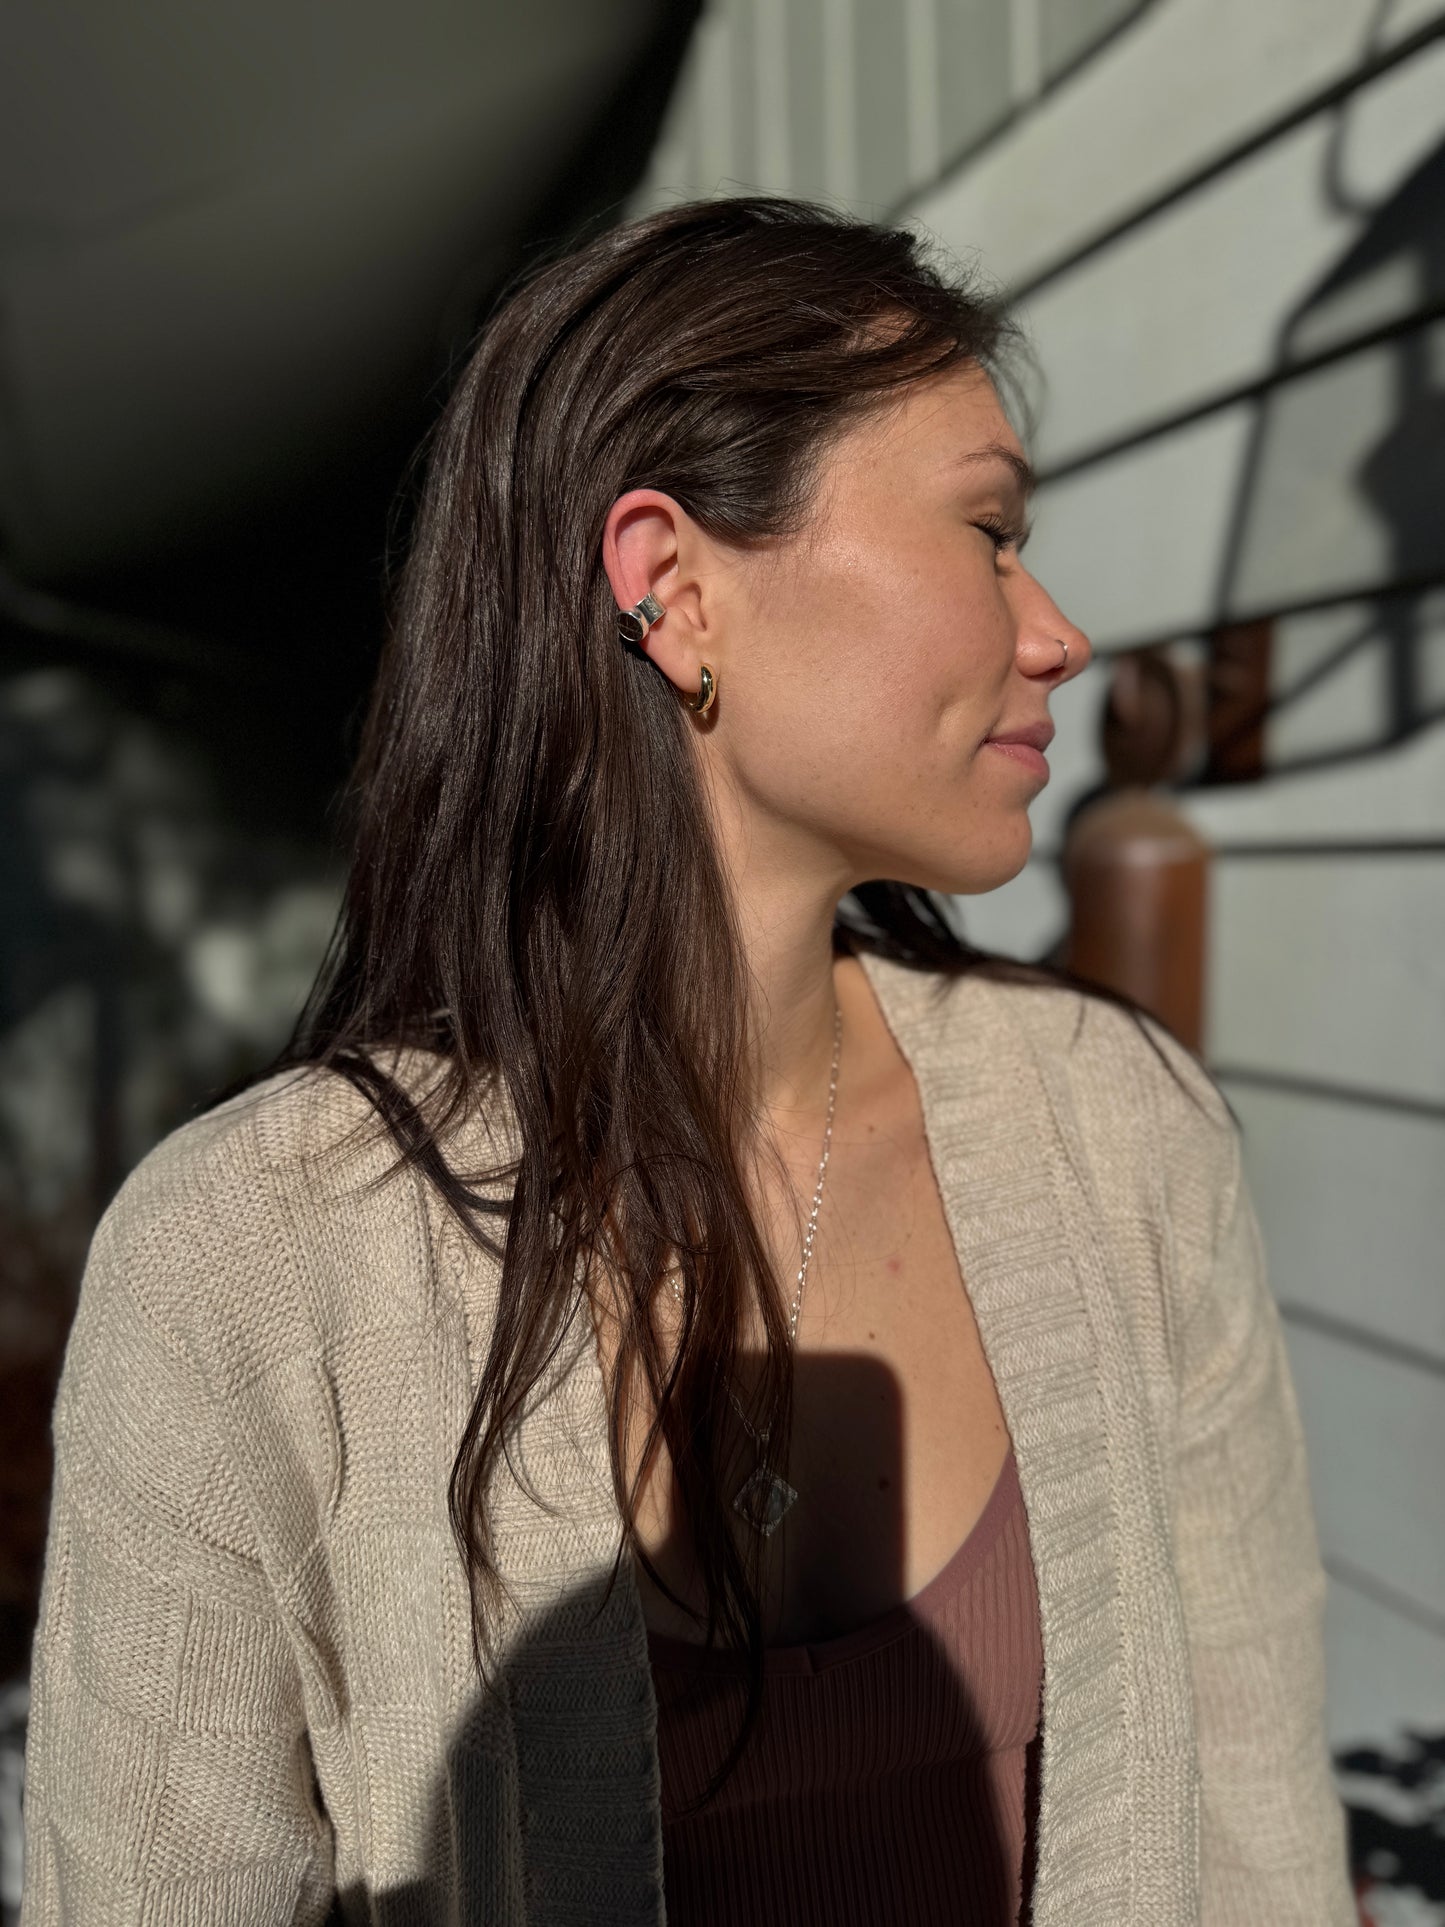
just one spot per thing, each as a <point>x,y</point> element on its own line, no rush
<point>786,902</point>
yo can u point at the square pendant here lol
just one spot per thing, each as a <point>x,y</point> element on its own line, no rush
<point>763,1500</point>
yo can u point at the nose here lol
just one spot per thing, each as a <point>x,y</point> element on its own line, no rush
<point>1077,652</point>
<point>1051,645</point>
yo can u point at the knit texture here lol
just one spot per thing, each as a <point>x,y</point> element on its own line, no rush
<point>253,1690</point>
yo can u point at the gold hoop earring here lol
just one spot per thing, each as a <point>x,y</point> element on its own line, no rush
<point>702,701</point>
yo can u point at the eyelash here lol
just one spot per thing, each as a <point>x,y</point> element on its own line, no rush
<point>999,532</point>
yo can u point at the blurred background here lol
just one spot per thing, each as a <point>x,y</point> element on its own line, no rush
<point>242,249</point>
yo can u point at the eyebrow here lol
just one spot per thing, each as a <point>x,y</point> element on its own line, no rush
<point>1023,475</point>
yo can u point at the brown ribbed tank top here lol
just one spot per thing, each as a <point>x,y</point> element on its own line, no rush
<point>892,1777</point>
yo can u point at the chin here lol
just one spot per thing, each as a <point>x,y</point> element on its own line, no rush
<point>974,872</point>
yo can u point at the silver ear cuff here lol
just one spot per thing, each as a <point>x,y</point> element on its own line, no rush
<point>633,624</point>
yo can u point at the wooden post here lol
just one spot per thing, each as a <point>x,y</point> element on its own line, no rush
<point>1137,875</point>
<point>1135,869</point>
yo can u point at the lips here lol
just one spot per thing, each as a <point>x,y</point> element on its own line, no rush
<point>1036,735</point>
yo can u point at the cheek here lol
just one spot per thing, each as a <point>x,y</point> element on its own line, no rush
<point>890,664</point>
<point>946,679</point>
<point>907,635</point>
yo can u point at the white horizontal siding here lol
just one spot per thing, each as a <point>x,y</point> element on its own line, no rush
<point>1402,18</point>
<point>1352,1207</point>
<point>856,100</point>
<point>1182,86</point>
<point>1251,509</point>
<point>1200,302</point>
<point>1373,797</point>
<point>1339,676</point>
<point>1345,491</point>
<point>1069,29</point>
<point>1375,1433</point>
<point>1384,1671</point>
<point>1134,550</point>
<point>1330,970</point>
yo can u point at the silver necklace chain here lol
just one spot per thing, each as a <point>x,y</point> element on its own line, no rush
<point>776,1494</point>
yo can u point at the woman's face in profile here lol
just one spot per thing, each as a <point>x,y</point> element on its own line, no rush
<point>863,664</point>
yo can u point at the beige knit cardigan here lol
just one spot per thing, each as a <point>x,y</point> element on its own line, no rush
<point>253,1696</point>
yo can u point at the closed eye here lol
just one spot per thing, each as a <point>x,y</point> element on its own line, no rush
<point>1003,535</point>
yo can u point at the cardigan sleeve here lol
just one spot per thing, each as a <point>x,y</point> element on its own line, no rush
<point>167,1769</point>
<point>1272,1832</point>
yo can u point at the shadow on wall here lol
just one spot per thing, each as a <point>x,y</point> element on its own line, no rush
<point>1343,484</point>
<point>1378,421</point>
<point>1314,454</point>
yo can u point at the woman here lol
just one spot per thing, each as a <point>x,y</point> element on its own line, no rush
<point>692,1392</point>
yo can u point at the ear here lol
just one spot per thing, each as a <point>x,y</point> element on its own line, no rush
<point>650,543</point>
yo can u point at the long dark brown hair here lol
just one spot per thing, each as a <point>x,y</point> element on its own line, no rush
<point>535,895</point>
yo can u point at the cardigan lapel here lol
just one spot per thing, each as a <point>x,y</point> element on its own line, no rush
<point>1117,1821</point>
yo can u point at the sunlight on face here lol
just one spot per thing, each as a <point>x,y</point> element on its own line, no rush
<point>875,655</point>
